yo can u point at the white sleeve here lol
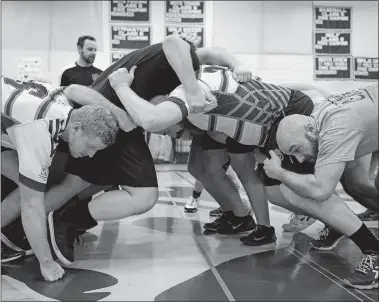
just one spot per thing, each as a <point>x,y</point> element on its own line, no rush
<point>34,146</point>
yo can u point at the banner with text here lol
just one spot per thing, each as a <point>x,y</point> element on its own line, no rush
<point>332,42</point>
<point>332,68</point>
<point>365,69</point>
<point>115,56</point>
<point>199,31</point>
<point>332,18</point>
<point>129,11</point>
<point>130,36</point>
<point>184,11</point>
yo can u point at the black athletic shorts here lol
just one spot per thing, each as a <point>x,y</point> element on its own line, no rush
<point>231,145</point>
<point>207,143</point>
<point>299,103</point>
<point>128,161</point>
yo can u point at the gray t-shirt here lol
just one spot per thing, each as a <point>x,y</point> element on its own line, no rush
<point>348,125</point>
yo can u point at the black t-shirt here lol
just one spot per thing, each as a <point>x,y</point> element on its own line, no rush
<point>153,76</point>
<point>79,75</point>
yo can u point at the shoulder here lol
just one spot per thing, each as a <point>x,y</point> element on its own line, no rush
<point>68,68</point>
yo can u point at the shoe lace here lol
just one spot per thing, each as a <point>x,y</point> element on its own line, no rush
<point>367,263</point>
<point>74,237</point>
<point>323,234</point>
<point>292,218</point>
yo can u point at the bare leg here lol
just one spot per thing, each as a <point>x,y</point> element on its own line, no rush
<point>119,204</point>
<point>334,212</point>
<point>243,165</point>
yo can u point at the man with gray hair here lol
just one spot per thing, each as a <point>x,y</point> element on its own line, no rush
<point>34,116</point>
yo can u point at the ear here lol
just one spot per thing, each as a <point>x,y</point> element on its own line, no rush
<point>76,127</point>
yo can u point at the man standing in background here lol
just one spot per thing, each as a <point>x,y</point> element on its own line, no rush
<point>82,71</point>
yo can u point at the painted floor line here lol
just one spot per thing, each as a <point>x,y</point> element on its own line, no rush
<point>216,274</point>
<point>330,273</point>
<point>315,268</point>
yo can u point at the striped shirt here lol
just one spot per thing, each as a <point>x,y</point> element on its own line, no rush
<point>33,117</point>
<point>243,111</point>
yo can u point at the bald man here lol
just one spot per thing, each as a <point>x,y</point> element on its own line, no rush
<point>337,136</point>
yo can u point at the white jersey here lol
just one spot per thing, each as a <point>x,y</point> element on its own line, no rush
<point>33,117</point>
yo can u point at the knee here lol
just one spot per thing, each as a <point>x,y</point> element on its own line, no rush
<point>146,198</point>
<point>353,184</point>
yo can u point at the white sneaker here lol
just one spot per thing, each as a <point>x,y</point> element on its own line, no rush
<point>192,205</point>
<point>298,223</point>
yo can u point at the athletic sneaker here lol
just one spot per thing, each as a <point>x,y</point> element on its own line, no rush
<point>366,274</point>
<point>8,255</point>
<point>298,223</point>
<point>327,239</point>
<point>368,215</point>
<point>237,225</point>
<point>62,236</point>
<point>13,235</point>
<point>221,220</point>
<point>192,205</point>
<point>259,236</point>
<point>216,212</point>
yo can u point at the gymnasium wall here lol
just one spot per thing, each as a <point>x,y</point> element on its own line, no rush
<point>274,38</point>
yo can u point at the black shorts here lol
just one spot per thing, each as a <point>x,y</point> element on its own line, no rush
<point>207,143</point>
<point>127,162</point>
<point>299,103</point>
<point>231,145</point>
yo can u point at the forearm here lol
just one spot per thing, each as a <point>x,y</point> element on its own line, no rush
<point>141,111</point>
<point>218,56</point>
<point>303,184</point>
<point>33,217</point>
<point>178,55</point>
<point>84,95</point>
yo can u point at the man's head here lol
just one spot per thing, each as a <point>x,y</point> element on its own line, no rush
<point>91,128</point>
<point>87,48</point>
<point>297,136</point>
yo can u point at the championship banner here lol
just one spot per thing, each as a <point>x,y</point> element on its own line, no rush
<point>332,43</point>
<point>365,69</point>
<point>332,68</point>
<point>130,36</point>
<point>332,18</point>
<point>129,11</point>
<point>184,11</point>
<point>199,31</point>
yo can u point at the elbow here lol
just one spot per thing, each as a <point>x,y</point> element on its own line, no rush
<point>172,41</point>
<point>321,195</point>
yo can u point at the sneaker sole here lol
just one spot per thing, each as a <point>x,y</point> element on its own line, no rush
<point>14,247</point>
<point>54,245</point>
<point>10,244</point>
<point>190,210</point>
<point>258,243</point>
<point>370,286</point>
<point>328,248</point>
<point>11,258</point>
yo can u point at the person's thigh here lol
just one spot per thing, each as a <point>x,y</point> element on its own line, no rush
<point>9,165</point>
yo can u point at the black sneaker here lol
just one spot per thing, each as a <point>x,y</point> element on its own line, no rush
<point>259,236</point>
<point>368,215</point>
<point>366,274</point>
<point>216,212</point>
<point>8,255</point>
<point>222,220</point>
<point>327,239</point>
<point>235,226</point>
<point>62,236</point>
<point>13,235</point>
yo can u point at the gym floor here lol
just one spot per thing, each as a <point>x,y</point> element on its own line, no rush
<point>163,255</point>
